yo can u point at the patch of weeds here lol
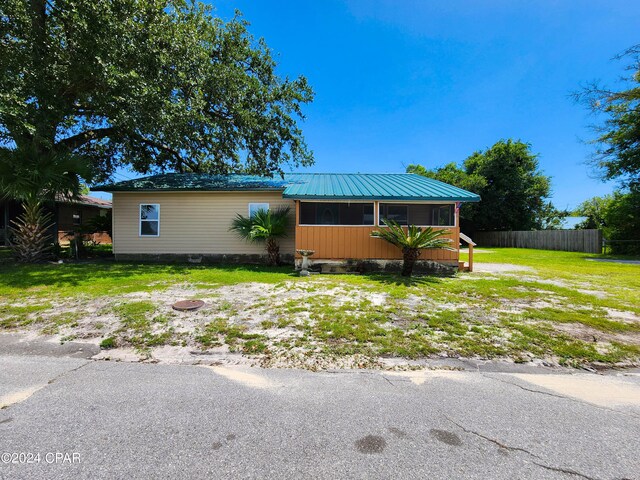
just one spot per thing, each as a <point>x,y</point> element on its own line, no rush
<point>254,346</point>
<point>447,321</point>
<point>108,343</point>
<point>284,322</point>
<point>148,339</point>
<point>12,316</point>
<point>219,330</point>
<point>542,339</point>
<point>99,325</point>
<point>135,315</point>
<point>267,324</point>
<point>56,322</point>
<point>67,338</point>
<point>138,322</point>
<point>595,318</point>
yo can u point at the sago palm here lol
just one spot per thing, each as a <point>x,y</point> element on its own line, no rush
<point>264,226</point>
<point>33,179</point>
<point>412,241</point>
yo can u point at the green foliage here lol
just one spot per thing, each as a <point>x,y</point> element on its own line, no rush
<point>618,216</point>
<point>412,241</point>
<point>34,177</point>
<point>264,226</point>
<point>108,343</point>
<point>100,223</point>
<point>453,175</point>
<point>154,84</point>
<point>30,236</point>
<point>513,191</point>
<point>617,144</point>
<point>20,316</point>
<point>596,210</point>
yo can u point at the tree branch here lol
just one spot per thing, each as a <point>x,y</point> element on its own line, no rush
<point>76,141</point>
<point>171,151</point>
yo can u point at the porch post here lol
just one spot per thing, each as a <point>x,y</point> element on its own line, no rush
<point>376,211</point>
<point>295,235</point>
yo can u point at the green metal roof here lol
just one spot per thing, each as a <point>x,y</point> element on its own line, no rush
<point>171,182</point>
<point>310,186</point>
<point>372,186</point>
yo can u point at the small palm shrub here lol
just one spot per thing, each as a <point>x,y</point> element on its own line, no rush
<point>264,226</point>
<point>412,241</point>
<point>30,235</point>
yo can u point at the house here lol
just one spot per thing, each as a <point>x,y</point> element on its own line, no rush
<point>67,216</point>
<point>187,216</point>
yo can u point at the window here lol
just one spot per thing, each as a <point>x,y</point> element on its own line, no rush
<point>397,213</point>
<point>77,217</point>
<point>254,207</point>
<point>443,215</point>
<point>422,214</point>
<point>149,220</point>
<point>325,213</point>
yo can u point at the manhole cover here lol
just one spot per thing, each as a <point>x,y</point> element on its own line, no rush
<point>185,305</point>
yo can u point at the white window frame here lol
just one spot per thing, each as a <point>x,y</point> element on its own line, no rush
<point>140,220</point>
<point>257,206</point>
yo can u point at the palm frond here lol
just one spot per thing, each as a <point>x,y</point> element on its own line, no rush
<point>414,237</point>
<point>264,224</point>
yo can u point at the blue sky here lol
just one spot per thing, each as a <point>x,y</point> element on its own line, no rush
<point>400,82</point>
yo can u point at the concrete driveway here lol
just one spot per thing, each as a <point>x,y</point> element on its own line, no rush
<point>89,419</point>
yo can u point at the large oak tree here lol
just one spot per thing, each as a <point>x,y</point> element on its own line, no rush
<point>87,86</point>
<point>150,84</point>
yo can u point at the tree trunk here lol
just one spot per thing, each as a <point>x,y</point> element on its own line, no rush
<point>31,240</point>
<point>410,255</point>
<point>273,252</point>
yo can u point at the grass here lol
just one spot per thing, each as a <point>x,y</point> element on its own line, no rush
<point>92,279</point>
<point>562,309</point>
<point>12,316</point>
<point>220,331</point>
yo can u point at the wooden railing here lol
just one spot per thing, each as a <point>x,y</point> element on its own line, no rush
<point>471,244</point>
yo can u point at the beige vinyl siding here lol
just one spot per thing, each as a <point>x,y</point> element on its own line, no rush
<point>192,222</point>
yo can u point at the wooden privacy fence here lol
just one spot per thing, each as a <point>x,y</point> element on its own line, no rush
<point>588,241</point>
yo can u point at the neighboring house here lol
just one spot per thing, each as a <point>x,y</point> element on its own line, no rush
<point>187,216</point>
<point>67,216</point>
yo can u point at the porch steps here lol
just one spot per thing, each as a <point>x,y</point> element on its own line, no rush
<point>463,267</point>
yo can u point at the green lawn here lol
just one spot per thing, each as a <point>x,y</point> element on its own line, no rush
<point>561,307</point>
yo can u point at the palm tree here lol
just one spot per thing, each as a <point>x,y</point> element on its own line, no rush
<point>264,226</point>
<point>412,241</point>
<point>34,179</point>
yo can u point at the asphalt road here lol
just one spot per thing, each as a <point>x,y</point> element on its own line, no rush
<point>89,419</point>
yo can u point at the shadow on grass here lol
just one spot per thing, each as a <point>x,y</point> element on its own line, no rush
<point>104,274</point>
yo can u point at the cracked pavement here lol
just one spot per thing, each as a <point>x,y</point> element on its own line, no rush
<point>132,420</point>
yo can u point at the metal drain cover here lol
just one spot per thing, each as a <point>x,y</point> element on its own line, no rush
<point>188,305</point>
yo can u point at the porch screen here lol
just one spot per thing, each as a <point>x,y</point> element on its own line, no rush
<point>325,213</point>
<point>442,215</point>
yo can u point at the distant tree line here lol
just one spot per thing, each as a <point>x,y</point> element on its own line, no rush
<point>515,193</point>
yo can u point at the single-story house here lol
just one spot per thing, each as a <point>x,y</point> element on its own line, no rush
<point>187,216</point>
<point>67,216</point>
